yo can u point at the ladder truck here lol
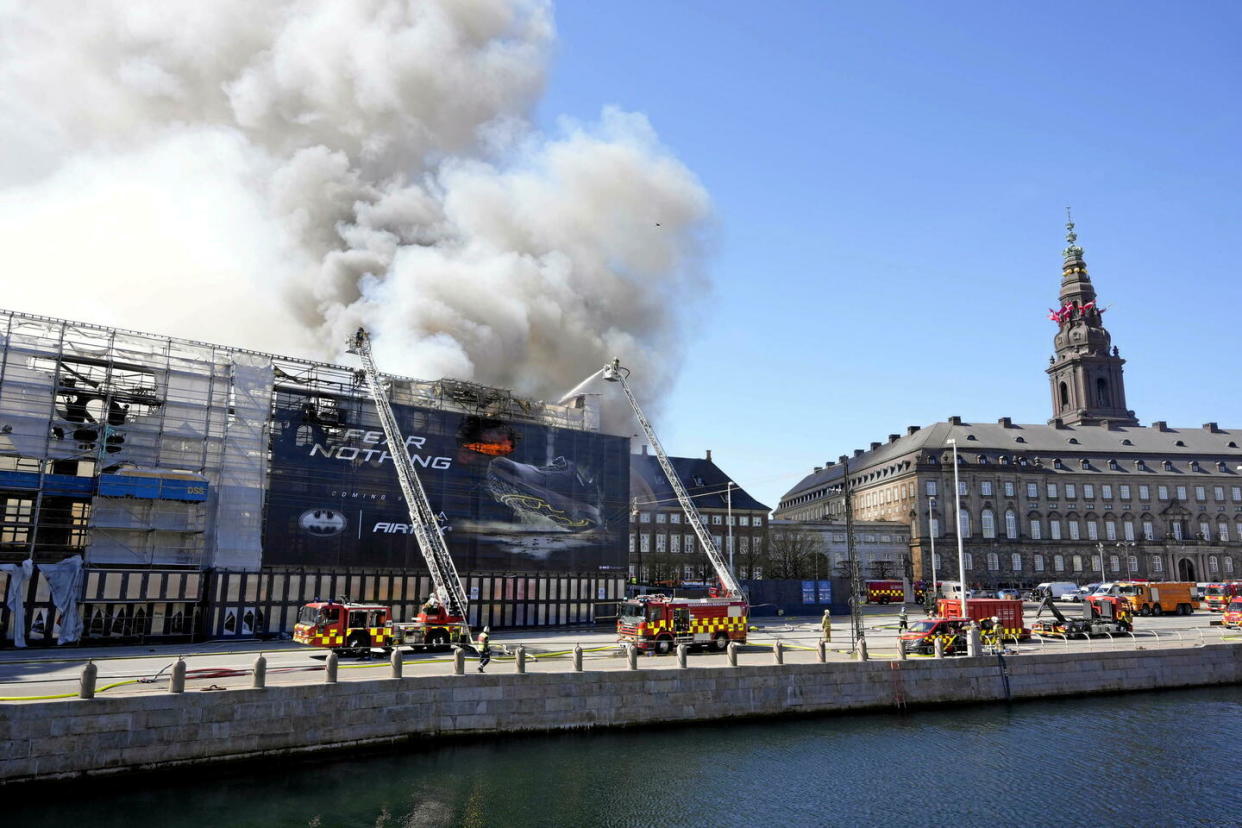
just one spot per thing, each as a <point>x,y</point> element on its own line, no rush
<point>660,622</point>
<point>443,620</point>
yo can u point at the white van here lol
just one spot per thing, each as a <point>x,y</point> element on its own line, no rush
<point>1055,589</point>
<point>953,589</point>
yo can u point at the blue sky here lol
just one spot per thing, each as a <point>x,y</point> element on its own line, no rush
<point>889,183</point>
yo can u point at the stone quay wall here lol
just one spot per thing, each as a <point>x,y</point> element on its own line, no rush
<point>64,739</point>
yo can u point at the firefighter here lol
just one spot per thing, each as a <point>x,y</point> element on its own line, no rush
<point>826,624</point>
<point>485,648</point>
<point>903,619</point>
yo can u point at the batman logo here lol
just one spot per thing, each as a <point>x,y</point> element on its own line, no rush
<point>322,523</point>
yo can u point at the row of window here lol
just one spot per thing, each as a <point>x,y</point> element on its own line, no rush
<point>1076,562</point>
<point>1073,528</point>
<point>677,543</point>
<point>714,520</point>
<point>1124,491</point>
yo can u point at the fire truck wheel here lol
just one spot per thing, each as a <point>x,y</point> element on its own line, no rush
<point>664,646</point>
<point>721,642</point>
<point>360,643</point>
<point>1145,610</point>
<point>1156,609</point>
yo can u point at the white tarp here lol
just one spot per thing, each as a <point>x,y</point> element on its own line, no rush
<point>65,581</point>
<point>19,574</point>
<point>238,523</point>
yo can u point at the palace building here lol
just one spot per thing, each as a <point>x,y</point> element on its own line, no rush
<point>1089,495</point>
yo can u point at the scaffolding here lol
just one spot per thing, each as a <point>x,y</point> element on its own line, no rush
<point>83,405</point>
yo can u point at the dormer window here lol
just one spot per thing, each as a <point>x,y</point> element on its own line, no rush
<point>1113,466</point>
<point>1057,464</point>
<point>1168,465</point>
<point>1194,466</point>
<point>1179,443</point>
<point>1084,463</point>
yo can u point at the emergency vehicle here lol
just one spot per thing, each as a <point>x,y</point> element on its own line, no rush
<point>1232,617</point>
<point>1100,615</point>
<point>1153,597</point>
<point>1217,596</point>
<point>885,592</point>
<point>441,621</point>
<point>922,635</point>
<point>343,626</point>
<point>659,622</point>
<point>981,610</point>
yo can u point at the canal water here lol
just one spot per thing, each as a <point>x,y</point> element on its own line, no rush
<point>1165,758</point>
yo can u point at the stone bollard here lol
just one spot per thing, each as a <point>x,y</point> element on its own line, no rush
<point>939,648</point>
<point>397,660</point>
<point>329,668</point>
<point>631,655</point>
<point>682,649</point>
<point>459,661</point>
<point>86,689</point>
<point>862,649</point>
<point>519,663</point>
<point>577,658</point>
<point>731,650</point>
<point>901,650</point>
<point>972,641</point>
<point>176,684</point>
<point>821,650</point>
<point>260,673</point>
<point>778,653</point>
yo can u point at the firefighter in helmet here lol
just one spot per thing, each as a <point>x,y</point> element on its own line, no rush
<point>485,648</point>
<point>826,624</point>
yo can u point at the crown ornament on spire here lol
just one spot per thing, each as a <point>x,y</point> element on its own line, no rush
<point>1073,251</point>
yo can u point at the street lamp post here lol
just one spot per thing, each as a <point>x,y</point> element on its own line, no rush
<point>729,520</point>
<point>931,530</point>
<point>1099,545</point>
<point>961,552</point>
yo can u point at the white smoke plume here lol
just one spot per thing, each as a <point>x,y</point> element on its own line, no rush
<point>274,175</point>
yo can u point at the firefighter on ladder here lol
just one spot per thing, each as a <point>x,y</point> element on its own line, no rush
<point>826,624</point>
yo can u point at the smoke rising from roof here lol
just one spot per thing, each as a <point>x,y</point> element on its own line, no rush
<point>274,175</point>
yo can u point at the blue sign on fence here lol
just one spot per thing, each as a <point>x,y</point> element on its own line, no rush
<point>808,592</point>
<point>825,592</point>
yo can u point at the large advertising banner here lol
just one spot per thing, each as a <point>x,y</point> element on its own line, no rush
<point>510,496</point>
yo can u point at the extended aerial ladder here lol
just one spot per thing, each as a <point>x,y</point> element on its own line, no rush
<point>615,372</point>
<point>427,531</point>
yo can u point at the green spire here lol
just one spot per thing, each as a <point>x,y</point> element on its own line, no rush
<point>1073,251</point>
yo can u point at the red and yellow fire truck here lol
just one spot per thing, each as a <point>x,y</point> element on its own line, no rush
<point>343,626</point>
<point>359,628</point>
<point>885,592</point>
<point>1008,610</point>
<point>1217,596</point>
<point>659,622</point>
<point>1232,617</point>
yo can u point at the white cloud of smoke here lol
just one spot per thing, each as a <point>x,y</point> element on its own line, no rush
<point>274,175</point>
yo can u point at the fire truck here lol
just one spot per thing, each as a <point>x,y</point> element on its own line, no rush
<point>349,628</point>
<point>1232,617</point>
<point>1217,596</point>
<point>1101,615</point>
<point>661,622</point>
<point>1153,598</point>
<point>442,620</point>
<point>885,592</point>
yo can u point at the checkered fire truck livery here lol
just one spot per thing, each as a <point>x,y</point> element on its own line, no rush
<point>660,623</point>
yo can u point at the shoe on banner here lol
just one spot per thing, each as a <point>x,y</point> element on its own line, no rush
<point>557,492</point>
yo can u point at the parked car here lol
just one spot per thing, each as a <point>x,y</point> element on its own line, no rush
<point>1009,593</point>
<point>1074,596</point>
